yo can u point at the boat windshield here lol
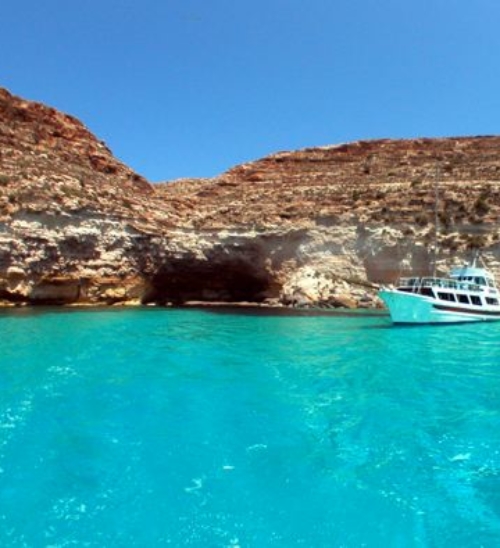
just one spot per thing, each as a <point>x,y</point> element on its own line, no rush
<point>478,280</point>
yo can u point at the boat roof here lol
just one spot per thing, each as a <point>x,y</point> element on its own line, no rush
<point>468,270</point>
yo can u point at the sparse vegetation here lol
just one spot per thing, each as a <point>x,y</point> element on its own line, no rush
<point>444,219</point>
<point>451,242</point>
<point>474,241</point>
<point>422,218</point>
<point>481,205</point>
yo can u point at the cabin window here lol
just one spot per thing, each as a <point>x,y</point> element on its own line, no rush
<point>491,300</point>
<point>463,299</point>
<point>476,300</point>
<point>479,281</point>
<point>446,296</point>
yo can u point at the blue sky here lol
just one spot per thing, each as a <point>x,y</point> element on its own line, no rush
<point>190,88</point>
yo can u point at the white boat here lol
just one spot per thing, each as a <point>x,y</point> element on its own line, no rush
<point>468,295</point>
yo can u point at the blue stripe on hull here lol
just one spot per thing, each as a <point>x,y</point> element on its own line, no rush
<point>455,309</point>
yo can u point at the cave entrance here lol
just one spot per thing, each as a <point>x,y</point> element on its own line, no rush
<point>194,280</point>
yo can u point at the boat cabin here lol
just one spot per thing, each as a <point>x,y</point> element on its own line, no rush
<point>477,276</point>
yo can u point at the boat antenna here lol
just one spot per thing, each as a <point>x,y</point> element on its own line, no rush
<point>477,256</point>
<point>436,220</point>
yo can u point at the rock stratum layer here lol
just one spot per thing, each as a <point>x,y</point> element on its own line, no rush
<point>319,226</point>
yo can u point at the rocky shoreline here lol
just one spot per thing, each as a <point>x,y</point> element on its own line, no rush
<point>254,308</point>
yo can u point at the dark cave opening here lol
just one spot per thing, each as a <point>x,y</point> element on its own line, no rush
<point>231,281</point>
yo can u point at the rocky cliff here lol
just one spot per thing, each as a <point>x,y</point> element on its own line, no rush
<point>315,226</point>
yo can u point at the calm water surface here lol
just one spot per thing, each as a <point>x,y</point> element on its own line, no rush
<point>152,428</point>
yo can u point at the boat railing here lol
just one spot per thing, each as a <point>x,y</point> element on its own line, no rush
<point>415,284</point>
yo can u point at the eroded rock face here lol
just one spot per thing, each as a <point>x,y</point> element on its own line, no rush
<point>333,222</point>
<point>319,226</point>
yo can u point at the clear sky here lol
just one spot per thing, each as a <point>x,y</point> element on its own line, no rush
<point>190,88</point>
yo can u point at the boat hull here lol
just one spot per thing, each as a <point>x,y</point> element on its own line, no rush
<point>411,308</point>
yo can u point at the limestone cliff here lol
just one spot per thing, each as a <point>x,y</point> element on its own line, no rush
<point>322,225</point>
<point>315,226</point>
<point>73,219</point>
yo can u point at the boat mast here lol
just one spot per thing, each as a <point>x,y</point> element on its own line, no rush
<point>436,221</point>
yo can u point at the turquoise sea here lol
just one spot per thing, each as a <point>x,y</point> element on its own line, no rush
<point>219,428</point>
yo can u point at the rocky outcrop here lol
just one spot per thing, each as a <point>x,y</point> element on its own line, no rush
<point>320,226</point>
<point>72,217</point>
<point>331,223</point>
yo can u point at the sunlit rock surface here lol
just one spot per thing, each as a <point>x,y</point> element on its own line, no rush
<point>315,227</point>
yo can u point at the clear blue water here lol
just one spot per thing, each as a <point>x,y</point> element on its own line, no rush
<point>209,429</point>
